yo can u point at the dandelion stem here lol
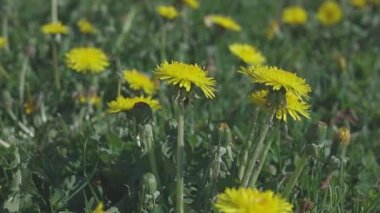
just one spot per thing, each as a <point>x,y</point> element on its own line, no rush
<point>293,179</point>
<point>180,156</point>
<point>54,11</point>
<point>56,67</point>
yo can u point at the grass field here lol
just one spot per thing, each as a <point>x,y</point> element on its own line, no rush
<point>69,144</point>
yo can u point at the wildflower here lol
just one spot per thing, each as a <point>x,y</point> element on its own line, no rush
<point>125,104</point>
<point>87,59</point>
<point>55,28</point>
<point>139,81</point>
<point>247,53</point>
<point>185,75</point>
<point>168,12</point>
<point>358,3</point>
<point>247,200</point>
<point>273,30</point>
<point>90,98</point>
<point>294,15</point>
<point>343,136</point>
<point>3,42</point>
<point>192,3</point>
<point>30,106</point>
<point>99,208</point>
<point>329,13</point>
<point>86,27</point>
<point>278,79</point>
<point>224,22</point>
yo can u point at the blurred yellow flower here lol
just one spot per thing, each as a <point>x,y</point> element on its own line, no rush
<point>273,30</point>
<point>168,12</point>
<point>30,106</point>
<point>55,28</point>
<point>329,13</point>
<point>278,79</point>
<point>343,136</point>
<point>359,3</point>
<point>224,22</point>
<point>3,42</point>
<point>185,75</point>
<point>294,15</point>
<point>248,200</point>
<point>192,3</point>
<point>139,81</point>
<point>126,104</point>
<point>247,53</point>
<point>87,59</point>
<point>99,208</point>
<point>91,99</point>
<point>86,27</point>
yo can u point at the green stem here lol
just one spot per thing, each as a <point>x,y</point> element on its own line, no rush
<point>54,11</point>
<point>293,179</point>
<point>56,67</point>
<point>180,156</point>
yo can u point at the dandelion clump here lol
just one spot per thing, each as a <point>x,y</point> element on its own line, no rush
<point>185,76</point>
<point>125,104</point>
<point>224,22</point>
<point>248,200</point>
<point>139,81</point>
<point>55,28</point>
<point>294,15</point>
<point>87,60</point>
<point>329,13</point>
<point>247,53</point>
<point>86,27</point>
<point>192,3</point>
<point>168,12</point>
<point>3,42</point>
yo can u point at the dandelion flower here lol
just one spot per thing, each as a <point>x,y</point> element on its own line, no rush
<point>86,27</point>
<point>278,79</point>
<point>343,136</point>
<point>358,3</point>
<point>3,42</point>
<point>139,81</point>
<point>329,13</point>
<point>185,75</point>
<point>55,28</point>
<point>225,22</point>
<point>99,208</point>
<point>87,59</point>
<point>247,200</point>
<point>168,12</point>
<point>126,104</point>
<point>247,53</point>
<point>90,98</point>
<point>294,15</point>
<point>192,3</point>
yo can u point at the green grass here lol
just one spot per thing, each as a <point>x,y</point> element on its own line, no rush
<point>67,156</point>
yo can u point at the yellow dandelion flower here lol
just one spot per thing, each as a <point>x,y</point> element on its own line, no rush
<point>87,59</point>
<point>343,136</point>
<point>30,106</point>
<point>99,208</point>
<point>86,27</point>
<point>125,104</point>
<point>329,13</point>
<point>358,3</point>
<point>55,28</point>
<point>260,97</point>
<point>247,53</point>
<point>225,22</point>
<point>192,3</point>
<point>294,15</point>
<point>185,75</point>
<point>273,30</point>
<point>3,42</point>
<point>247,200</point>
<point>168,12</point>
<point>277,79</point>
<point>139,81</point>
<point>91,99</point>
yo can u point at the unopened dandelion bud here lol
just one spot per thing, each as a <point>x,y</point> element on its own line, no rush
<point>342,136</point>
<point>225,134</point>
<point>148,191</point>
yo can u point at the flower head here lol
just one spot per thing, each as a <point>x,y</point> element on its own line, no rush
<point>294,15</point>
<point>3,41</point>
<point>185,75</point>
<point>99,208</point>
<point>126,104</point>
<point>329,13</point>
<point>224,22</point>
<point>278,79</point>
<point>343,136</point>
<point>247,53</point>
<point>359,3</point>
<point>247,200</point>
<point>55,28</point>
<point>192,3</point>
<point>86,27</point>
<point>90,98</point>
<point>139,81</point>
<point>168,12</point>
<point>87,59</point>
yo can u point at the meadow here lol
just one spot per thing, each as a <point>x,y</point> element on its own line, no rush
<point>189,106</point>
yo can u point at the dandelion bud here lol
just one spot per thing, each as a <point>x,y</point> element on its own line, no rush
<point>142,112</point>
<point>342,136</point>
<point>148,191</point>
<point>224,134</point>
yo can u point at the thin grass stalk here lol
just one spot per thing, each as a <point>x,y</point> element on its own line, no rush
<point>294,177</point>
<point>180,156</point>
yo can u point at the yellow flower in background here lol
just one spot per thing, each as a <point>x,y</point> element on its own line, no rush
<point>294,15</point>
<point>248,200</point>
<point>55,28</point>
<point>87,59</point>
<point>3,42</point>
<point>91,99</point>
<point>247,53</point>
<point>224,22</point>
<point>329,13</point>
<point>273,30</point>
<point>359,3</point>
<point>343,136</point>
<point>126,104</point>
<point>86,27</point>
<point>185,75</point>
<point>139,81</point>
<point>99,208</point>
<point>192,3</point>
<point>168,12</point>
<point>278,79</point>
<point>260,97</point>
